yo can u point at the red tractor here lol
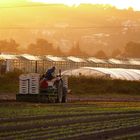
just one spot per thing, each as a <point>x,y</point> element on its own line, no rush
<point>55,90</point>
<point>33,89</point>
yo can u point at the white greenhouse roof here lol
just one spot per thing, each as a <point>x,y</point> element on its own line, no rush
<point>75,59</point>
<point>116,61</point>
<point>114,73</point>
<point>55,58</point>
<point>30,57</point>
<point>8,57</point>
<point>134,61</point>
<point>96,60</point>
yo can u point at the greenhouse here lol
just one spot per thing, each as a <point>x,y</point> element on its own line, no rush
<point>113,73</point>
<point>30,63</point>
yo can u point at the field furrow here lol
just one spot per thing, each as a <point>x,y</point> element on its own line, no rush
<point>69,126</point>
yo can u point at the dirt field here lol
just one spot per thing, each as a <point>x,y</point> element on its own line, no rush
<point>78,121</point>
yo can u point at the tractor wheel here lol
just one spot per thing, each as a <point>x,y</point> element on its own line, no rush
<point>60,91</point>
<point>64,98</point>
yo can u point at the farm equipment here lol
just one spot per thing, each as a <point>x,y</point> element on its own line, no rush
<point>32,89</point>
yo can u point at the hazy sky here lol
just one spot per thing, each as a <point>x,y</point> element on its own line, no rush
<point>25,24</point>
<point>121,4</point>
<point>118,3</point>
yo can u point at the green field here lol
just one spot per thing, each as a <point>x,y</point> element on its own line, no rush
<point>87,87</point>
<point>9,82</point>
<point>89,120</point>
<point>112,120</point>
<point>92,85</point>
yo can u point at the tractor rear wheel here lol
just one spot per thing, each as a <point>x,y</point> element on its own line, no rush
<point>64,98</point>
<point>60,91</point>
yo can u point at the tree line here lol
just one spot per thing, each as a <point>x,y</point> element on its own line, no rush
<point>43,47</point>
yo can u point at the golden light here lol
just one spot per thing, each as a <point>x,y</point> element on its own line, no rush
<point>66,2</point>
<point>121,4</point>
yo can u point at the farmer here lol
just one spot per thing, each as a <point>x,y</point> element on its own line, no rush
<point>50,74</point>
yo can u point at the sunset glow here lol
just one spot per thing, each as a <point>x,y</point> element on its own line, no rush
<point>118,3</point>
<point>93,25</point>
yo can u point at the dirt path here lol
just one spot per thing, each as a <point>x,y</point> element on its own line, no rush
<point>7,97</point>
<point>12,97</point>
<point>103,99</point>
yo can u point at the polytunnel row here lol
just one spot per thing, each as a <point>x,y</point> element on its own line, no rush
<point>114,73</point>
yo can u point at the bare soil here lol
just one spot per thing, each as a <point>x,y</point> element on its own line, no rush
<point>73,98</point>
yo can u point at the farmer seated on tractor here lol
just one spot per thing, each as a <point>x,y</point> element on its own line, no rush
<point>50,74</point>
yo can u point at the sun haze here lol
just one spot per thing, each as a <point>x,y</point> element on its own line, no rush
<point>118,3</point>
<point>85,27</point>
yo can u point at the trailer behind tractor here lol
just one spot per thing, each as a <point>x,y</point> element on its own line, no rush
<point>32,89</point>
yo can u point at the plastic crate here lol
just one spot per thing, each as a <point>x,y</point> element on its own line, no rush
<point>34,83</point>
<point>24,84</point>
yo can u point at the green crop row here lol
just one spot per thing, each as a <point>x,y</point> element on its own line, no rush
<point>11,110</point>
<point>71,128</point>
<point>59,120</point>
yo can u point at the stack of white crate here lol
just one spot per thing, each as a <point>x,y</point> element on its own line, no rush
<point>24,84</point>
<point>34,83</point>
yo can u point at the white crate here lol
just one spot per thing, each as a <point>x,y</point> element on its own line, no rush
<point>34,83</point>
<point>24,84</point>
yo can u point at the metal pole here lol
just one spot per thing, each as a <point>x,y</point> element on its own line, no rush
<point>36,68</point>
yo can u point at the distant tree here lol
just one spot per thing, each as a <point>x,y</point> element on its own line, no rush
<point>116,53</point>
<point>132,49</point>
<point>41,47</point>
<point>58,51</point>
<point>9,46</point>
<point>130,9</point>
<point>101,54</point>
<point>76,51</point>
